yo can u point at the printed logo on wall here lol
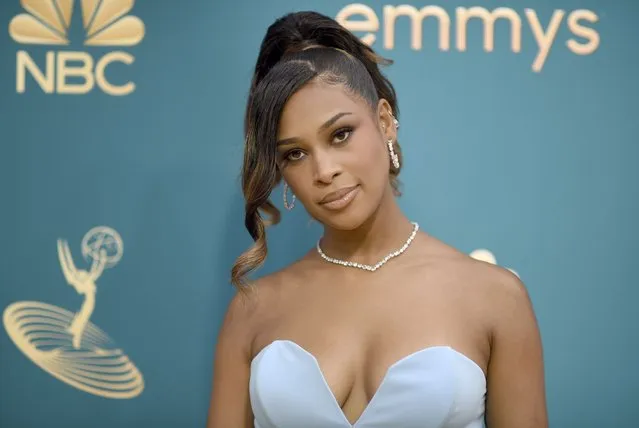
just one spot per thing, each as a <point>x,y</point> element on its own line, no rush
<point>47,22</point>
<point>67,345</point>
<point>453,27</point>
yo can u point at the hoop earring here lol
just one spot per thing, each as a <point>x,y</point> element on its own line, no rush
<point>286,204</point>
<point>393,155</point>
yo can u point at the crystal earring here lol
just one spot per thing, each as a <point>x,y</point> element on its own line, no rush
<point>393,155</point>
<point>286,204</point>
<point>396,122</point>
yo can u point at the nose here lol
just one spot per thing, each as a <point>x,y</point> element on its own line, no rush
<point>325,168</point>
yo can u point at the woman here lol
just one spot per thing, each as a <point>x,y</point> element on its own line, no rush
<point>381,324</point>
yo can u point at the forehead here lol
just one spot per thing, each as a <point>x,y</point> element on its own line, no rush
<point>313,104</point>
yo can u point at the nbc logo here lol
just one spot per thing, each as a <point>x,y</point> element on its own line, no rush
<point>47,22</point>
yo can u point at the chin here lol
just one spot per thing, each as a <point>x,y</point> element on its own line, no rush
<point>349,219</point>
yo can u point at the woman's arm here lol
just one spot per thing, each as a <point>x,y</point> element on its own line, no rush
<point>516,386</point>
<point>230,405</point>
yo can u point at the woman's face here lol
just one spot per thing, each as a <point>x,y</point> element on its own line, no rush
<point>330,141</point>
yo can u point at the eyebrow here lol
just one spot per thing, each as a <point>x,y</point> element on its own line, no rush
<point>323,127</point>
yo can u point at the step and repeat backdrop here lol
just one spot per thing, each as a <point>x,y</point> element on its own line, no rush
<point>120,153</point>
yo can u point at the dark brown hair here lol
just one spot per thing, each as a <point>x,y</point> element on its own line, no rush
<point>296,49</point>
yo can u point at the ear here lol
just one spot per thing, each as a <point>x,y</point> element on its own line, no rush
<point>386,121</point>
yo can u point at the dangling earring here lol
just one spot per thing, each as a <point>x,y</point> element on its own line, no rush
<point>286,205</point>
<point>393,155</point>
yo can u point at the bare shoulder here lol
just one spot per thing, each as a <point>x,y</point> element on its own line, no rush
<point>488,284</point>
<point>230,402</point>
<point>492,294</point>
<point>516,381</point>
<point>504,296</point>
<point>248,308</point>
<point>251,311</point>
<point>500,285</point>
<point>499,293</point>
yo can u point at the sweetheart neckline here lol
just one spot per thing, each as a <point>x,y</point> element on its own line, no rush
<point>384,378</point>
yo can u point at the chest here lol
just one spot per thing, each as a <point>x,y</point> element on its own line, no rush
<point>362,317</point>
<point>433,387</point>
<point>360,342</point>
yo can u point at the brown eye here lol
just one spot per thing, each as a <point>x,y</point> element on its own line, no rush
<point>342,135</point>
<point>294,155</point>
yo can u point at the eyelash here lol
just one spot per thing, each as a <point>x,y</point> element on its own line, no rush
<point>346,129</point>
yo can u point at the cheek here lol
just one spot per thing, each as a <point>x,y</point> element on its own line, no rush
<point>372,163</point>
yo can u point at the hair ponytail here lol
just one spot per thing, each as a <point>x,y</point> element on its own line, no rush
<point>300,30</point>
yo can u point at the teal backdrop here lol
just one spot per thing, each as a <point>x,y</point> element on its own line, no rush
<point>122,211</point>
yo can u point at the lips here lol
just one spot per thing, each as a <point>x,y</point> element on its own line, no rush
<point>338,194</point>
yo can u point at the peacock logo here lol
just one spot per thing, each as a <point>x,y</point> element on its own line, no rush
<point>67,344</point>
<point>47,22</point>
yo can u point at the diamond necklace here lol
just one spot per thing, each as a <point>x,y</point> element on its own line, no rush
<point>379,264</point>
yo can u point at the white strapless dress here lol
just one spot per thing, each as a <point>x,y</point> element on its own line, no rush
<point>436,387</point>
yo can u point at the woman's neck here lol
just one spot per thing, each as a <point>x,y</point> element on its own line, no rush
<point>384,232</point>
